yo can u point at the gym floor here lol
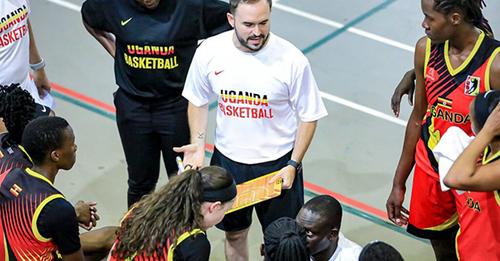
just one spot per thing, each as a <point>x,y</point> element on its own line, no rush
<point>358,49</point>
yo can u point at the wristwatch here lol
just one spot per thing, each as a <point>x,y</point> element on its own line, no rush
<point>295,164</point>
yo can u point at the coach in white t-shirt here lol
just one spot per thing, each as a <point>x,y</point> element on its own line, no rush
<point>268,105</point>
<point>18,52</point>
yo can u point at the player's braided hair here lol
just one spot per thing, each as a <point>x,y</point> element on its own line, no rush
<point>471,9</point>
<point>161,217</point>
<point>17,108</point>
<point>284,239</point>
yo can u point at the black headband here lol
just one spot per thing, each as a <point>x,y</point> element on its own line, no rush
<point>481,108</point>
<point>222,194</point>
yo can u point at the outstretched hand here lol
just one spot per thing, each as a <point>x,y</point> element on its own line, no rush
<point>194,155</point>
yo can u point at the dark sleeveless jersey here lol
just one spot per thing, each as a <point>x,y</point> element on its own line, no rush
<point>12,156</point>
<point>23,194</point>
<point>449,92</point>
<point>168,250</point>
<point>479,219</point>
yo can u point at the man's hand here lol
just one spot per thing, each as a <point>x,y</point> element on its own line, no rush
<point>42,82</point>
<point>395,210</point>
<point>86,214</point>
<point>405,86</point>
<point>287,175</point>
<point>194,155</point>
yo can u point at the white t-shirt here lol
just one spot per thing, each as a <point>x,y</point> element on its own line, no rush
<point>260,96</point>
<point>346,250</point>
<point>14,47</point>
<point>450,146</point>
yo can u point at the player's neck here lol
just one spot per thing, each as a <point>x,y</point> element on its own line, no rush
<point>47,171</point>
<point>327,253</point>
<point>464,39</point>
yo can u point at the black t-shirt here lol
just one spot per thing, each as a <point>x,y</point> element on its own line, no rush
<point>193,248</point>
<point>58,221</point>
<point>154,48</point>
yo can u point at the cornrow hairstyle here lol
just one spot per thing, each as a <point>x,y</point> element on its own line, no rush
<point>17,108</point>
<point>285,239</point>
<point>158,219</point>
<point>471,9</point>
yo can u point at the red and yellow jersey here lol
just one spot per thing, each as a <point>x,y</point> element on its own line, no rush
<point>449,92</point>
<point>23,194</point>
<point>168,250</point>
<point>479,219</point>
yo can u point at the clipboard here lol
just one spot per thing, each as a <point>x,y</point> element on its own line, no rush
<point>255,191</point>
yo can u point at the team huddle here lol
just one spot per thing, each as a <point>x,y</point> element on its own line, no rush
<point>264,125</point>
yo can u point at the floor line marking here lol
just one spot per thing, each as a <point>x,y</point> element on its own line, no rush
<point>331,23</point>
<point>346,27</point>
<point>66,4</point>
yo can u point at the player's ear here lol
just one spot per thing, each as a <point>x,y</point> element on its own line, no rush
<point>214,206</point>
<point>334,234</point>
<point>54,155</point>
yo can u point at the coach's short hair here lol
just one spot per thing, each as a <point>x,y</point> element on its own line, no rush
<point>233,4</point>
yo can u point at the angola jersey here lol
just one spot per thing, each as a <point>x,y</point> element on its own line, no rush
<point>12,156</point>
<point>168,251</point>
<point>449,92</point>
<point>23,194</point>
<point>479,219</point>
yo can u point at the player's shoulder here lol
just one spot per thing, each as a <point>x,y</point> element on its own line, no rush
<point>214,44</point>
<point>286,46</point>
<point>422,43</point>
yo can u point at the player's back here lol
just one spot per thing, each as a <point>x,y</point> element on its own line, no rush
<point>23,195</point>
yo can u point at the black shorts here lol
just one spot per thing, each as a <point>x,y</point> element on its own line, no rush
<point>287,204</point>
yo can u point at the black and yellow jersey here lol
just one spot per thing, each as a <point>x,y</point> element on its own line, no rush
<point>12,156</point>
<point>23,196</point>
<point>194,241</point>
